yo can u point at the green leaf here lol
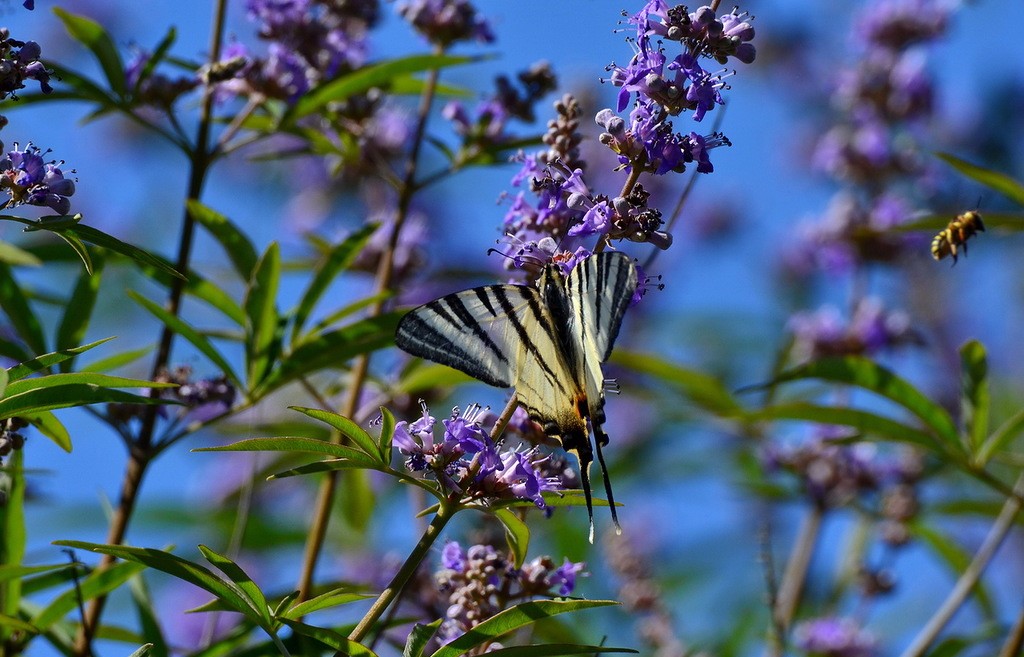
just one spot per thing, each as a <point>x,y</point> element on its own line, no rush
<point>262,343</point>
<point>85,378</point>
<point>335,598</point>
<point>289,444</point>
<point>12,536</point>
<point>703,390</point>
<point>111,243</point>
<point>78,246</point>
<point>201,289</point>
<point>38,363</point>
<point>149,618</point>
<point>257,601</point>
<point>115,361</point>
<point>335,348</point>
<point>357,499</point>
<point>387,434</point>
<point>331,639</point>
<point>12,255</point>
<point>19,313</point>
<point>92,35</point>
<point>1000,438</point>
<point>17,624</point>
<point>863,421</point>
<point>419,637</point>
<point>66,396</point>
<point>428,376</point>
<point>347,428</point>
<point>182,569</point>
<point>957,559</point>
<point>11,572</point>
<point>513,618</point>
<point>374,75</point>
<point>240,250</point>
<point>78,312</point>
<point>199,341</point>
<point>143,650</point>
<point>517,533</point>
<point>338,260</point>
<point>863,373</point>
<point>974,396</point>
<point>154,60</point>
<point>5,378</point>
<point>999,182</point>
<point>48,425</point>
<point>99,582</point>
<point>327,466</point>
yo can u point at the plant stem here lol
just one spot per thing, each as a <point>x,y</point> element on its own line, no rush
<point>1014,645</point>
<point>141,452</point>
<point>796,568</point>
<point>398,582</point>
<point>385,280</point>
<point>969,578</point>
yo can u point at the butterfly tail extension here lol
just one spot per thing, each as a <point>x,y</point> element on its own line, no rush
<point>578,444</point>
<point>601,439</point>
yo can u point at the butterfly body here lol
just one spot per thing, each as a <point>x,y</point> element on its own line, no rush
<point>547,341</point>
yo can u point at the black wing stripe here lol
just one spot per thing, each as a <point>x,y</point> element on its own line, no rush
<point>466,321</point>
<point>501,295</point>
<point>419,337</point>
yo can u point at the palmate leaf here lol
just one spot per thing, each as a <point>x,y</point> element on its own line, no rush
<point>513,618</point>
<point>868,375</point>
<point>994,180</point>
<point>228,592</point>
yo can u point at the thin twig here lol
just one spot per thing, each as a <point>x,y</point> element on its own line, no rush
<point>1014,646</point>
<point>777,630</point>
<point>963,587</point>
<point>796,568</point>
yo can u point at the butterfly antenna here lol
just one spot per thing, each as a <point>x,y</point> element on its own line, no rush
<point>601,438</point>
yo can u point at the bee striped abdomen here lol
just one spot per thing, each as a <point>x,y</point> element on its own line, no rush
<point>955,235</point>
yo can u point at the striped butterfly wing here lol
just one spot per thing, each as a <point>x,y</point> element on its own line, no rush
<point>502,335</point>
<point>599,290</point>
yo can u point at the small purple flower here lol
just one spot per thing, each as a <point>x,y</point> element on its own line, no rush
<point>834,637</point>
<point>565,576</point>
<point>897,24</point>
<point>28,179</point>
<point>516,475</point>
<point>20,61</point>
<point>446,21</point>
<point>452,557</point>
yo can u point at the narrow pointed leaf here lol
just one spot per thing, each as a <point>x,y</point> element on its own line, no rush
<point>205,290</point>
<point>338,260</point>
<point>186,331</point>
<point>374,75</point>
<point>419,637</point>
<point>327,466</point>
<point>115,361</point>
<point>288,444</point>
<point>92,35</point>
<point>19,313</point>
<point>513,618</point>
<point>154,59</point>
<point>111,243</point>
<point>143,650</point>
<point>66,396</point>
<point>262,330</point>
<point>863,373</point>
<point>38,363</point>
<point>12,531</point>
<point>81,378</point>
<point>5,378</point>
<point>48,425</point>
<point>335,349</point>
<point>10,572</point>
<point>99,582</point>
<point>240,250</point>
<point>12,255</point>
<point>79,247</point>
<point>517,533</point>
<point>240,579</point>
<point>556,649</point>
<point>330,638</point>
<point>1001,437</point>
<point>387,434</point>
<point>182,569</point>
<point>703,390</point>
<point>346,428</point>
<point>974,398</point>
<point>357,499</point>
<point>14,623</point>
<point>78,312</point>
<point>334,598</point>
<point>149,618</point>
<point>863,421</point>
<point>1000,182</point>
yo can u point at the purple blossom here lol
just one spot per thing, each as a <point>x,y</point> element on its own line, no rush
<point>452,557</point>
<point>20,61</point>
<point>565,577</point>
<point>869,331</point>
<point>446,21</point>
<point>897,24</point>
<point>834,637</point>
<point>516,475</point>
<point>28,179</point>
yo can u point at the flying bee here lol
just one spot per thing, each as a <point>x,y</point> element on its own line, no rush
<point>956,234</point>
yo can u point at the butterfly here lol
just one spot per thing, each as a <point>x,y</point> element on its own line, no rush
<point>547,341</point>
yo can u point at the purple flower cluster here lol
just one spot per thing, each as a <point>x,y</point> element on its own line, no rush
<point>198,401</point>
<point>870,330</point>
<point>30,180</point>
<point>20,61</point>
<point>444,22</point>
<point>479,582</point>
<point>835,472</point>
<point>310,41</point>
<point>510,474</point>
<point>834,637</point>
<point>155,89</point>
<point>849,234</point>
